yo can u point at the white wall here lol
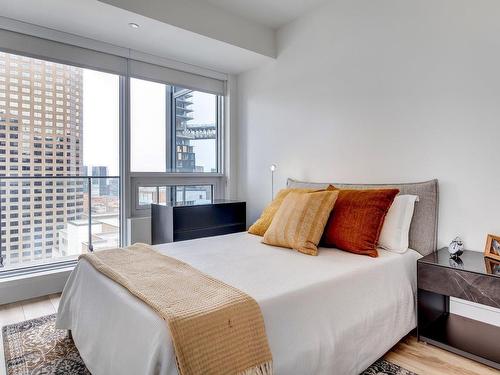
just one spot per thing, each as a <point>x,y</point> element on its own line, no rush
<point>382,91</point>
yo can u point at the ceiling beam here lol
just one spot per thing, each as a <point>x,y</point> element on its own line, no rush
<point>207,20</point>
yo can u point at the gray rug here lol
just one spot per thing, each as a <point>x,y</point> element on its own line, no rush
<point>36,347</point>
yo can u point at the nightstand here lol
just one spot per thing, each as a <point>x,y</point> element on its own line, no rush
<point>439,279</point>
<point>190,220</point>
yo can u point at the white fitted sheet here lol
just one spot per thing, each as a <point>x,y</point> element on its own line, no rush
<point>332,314</point>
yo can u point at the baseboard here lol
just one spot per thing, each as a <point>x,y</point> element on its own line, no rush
<point>33,285</point>
<point>475,311</point>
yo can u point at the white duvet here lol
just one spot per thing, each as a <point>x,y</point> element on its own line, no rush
<point>332,314</point>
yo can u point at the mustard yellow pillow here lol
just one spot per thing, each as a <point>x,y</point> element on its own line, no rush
<point>300,220</point>
<point>265,219</point>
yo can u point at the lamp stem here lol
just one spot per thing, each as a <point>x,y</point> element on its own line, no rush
<point>272,185</point>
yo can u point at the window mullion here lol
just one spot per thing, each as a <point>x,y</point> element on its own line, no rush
<point>169,124</point>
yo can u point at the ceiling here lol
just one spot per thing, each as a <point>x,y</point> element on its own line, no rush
<point>272,13</point>
<point>234,36</point>
<point>106,23</point>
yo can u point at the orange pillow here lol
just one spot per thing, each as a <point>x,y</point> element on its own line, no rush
<point>356,220</point>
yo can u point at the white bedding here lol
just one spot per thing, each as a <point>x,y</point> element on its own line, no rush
<point>332,314</point>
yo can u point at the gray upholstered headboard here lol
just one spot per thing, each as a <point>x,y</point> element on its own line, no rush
<point>424,225</point>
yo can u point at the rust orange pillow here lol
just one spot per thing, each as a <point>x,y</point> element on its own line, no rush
<point>356,220</point>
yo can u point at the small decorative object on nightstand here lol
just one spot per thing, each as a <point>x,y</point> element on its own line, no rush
<point>456,247</point>
<point>456,262</point>
<point>492,248</point>
<point>438,280</point>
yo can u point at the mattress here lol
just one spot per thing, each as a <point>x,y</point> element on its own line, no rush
<point>332,314</point>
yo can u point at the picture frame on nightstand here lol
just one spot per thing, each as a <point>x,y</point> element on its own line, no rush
<point>492,248</point>
<point>492,266</point>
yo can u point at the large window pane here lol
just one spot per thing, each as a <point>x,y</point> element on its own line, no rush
<point>148,130</point>
<point>101,101</point>
<point>173,129</point>
<point>57,123</point>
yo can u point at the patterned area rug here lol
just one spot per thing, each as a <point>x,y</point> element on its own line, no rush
<point>383,367</point>
<point>36,347</point>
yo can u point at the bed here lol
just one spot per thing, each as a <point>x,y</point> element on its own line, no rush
<point>332,314</point>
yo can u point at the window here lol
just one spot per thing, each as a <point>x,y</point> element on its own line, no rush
<point>174,194</point>
<point>148,195</point>
<point>175,143</point>
<point>195,194</point>
<point>60,213</point>
<point>196,129</point>
<point>148,130</point>
<point>60,123</point>
<point>173,129</point>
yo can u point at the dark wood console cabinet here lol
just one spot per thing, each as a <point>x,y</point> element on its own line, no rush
<point>185,221</point>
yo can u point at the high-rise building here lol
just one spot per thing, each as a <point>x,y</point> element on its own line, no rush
<point>40,135</point>
<point>184,157</point>
<point>85,172</point>
<point>100,186</point>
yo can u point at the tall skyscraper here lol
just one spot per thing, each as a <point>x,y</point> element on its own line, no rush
<point>100,186</point>
<point>40,135</point>
<point>185,158</point>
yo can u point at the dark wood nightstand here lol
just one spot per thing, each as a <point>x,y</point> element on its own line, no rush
<point>470,279</point>
<point>188,220</point>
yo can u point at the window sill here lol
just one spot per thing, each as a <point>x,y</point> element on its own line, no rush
<point>13,273</point>
<point>35,284</point>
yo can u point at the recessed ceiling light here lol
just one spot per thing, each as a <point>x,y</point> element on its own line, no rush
<point>133,25</point>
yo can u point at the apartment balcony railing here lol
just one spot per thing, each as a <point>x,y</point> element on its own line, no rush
<point>48,221</point>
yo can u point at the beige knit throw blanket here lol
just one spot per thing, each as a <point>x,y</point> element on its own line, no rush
<point>215,328</point>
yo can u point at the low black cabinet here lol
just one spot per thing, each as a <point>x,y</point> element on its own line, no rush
<point>186,221</point>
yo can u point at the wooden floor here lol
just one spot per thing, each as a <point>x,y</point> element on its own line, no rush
<point>426,359</point>
<point>408,353</point>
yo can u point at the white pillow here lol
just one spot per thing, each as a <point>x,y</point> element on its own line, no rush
<point>395,232</point>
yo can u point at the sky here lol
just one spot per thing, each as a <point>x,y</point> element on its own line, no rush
<point>101,111</point>
<point>101,124</point>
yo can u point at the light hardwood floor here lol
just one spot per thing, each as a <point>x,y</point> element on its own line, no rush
<point>409,353</point>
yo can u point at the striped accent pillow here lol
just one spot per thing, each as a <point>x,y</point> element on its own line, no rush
<point>264,221</point>
<point>299,222</point>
